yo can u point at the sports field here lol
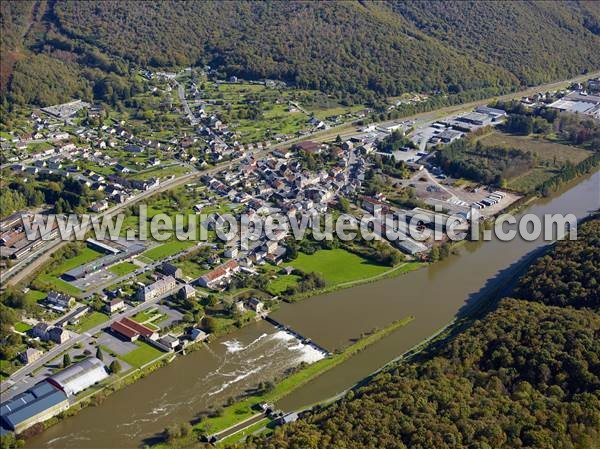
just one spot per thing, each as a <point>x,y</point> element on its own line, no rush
<point>337,266</point>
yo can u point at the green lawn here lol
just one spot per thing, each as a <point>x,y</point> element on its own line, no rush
<point>92,319</point>
<point>529,181</point>
<point>160,172</point>
<point>123,268</point>
<point>86,255</point>
<point>279,285</point>
<point>322,114</point>
<point>22,327</point>
<point>147,315</point>
<point>35,295</point>
<point>338,266</point>
<point>191,268</point>
<point>244,433</point>
<point>544,149</point>
<point>167,249</point>
<point>58,284</point>
<point>144,259</point>
<point>142,355</point>
<point>52,278</point>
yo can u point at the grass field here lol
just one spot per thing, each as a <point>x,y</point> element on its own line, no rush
<point>22,327</point>
<point>142,355</point>
<point>86,255</point>
<point>52,277</point>
<point>58,284</point>
<point>35,295</point>
<point>123,268</point>
<point>279,285</point>
<point>166,250</point>
<point>160,172</point>
<point>244,433</point>
<point>148,315</point>
<point>544,149</point>
<point>530,180</point>
<point>191,268</point>
<point>338,266</point>
<point>551,155</point>
<point>322,114</point>
<point>92,319</point>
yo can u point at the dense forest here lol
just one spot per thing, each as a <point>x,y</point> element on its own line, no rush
<point>570,275</point>
<point>357,51</point>
<point>67,195</point>
<point>527,375</point>
<point>529,39</point>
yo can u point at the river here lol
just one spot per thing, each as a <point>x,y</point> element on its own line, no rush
<point>433,295</point>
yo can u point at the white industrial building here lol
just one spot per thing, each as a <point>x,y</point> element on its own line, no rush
<point>79,376</point>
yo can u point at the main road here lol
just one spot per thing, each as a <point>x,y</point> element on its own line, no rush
<point>15,384</point>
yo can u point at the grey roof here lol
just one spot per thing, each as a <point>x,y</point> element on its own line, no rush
<point>169,269</point>
<point>79,376</point>
<point>75,313</point>
<point>30,403</point>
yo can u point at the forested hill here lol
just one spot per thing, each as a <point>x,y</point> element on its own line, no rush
<point>525,376</point>
<point>356,50</point>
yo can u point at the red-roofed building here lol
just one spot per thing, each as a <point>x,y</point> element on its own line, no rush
<point>132,330</point>
<point>124,331</point>
<point>219,275</point>
<point>309,146</point>
<point>140,328</point>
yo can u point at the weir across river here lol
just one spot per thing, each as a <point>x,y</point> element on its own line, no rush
<point>298,335</point>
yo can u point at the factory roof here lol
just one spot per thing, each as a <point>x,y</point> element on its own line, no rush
<point>30,403</point>
<point>79,376</point>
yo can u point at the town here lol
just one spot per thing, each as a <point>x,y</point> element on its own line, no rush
<point>98,312</point>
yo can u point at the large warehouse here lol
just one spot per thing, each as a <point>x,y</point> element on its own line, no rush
<point>79,376</point>
<point>39,403</point>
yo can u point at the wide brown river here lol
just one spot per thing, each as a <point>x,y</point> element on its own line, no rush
<point>433,295</point>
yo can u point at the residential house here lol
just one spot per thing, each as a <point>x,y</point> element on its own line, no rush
<point>168,269</point>
<point>196,334</point>
<point>114,305</point>
<point>30,355</point>
<point>40,330</point>
<point>60,301</point>
<point>256,305</point>
<point>58,335</point>
<point>187,292</point>
<point>157,289</point>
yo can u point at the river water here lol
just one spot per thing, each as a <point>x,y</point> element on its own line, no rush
<point>181,390</point>
<point>433,295</point>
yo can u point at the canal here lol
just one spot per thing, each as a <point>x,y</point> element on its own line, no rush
<point>433,295</point>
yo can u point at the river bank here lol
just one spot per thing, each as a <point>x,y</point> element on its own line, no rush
<point>248,407</point>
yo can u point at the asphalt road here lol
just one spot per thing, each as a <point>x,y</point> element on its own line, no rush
<point>14,385</point>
